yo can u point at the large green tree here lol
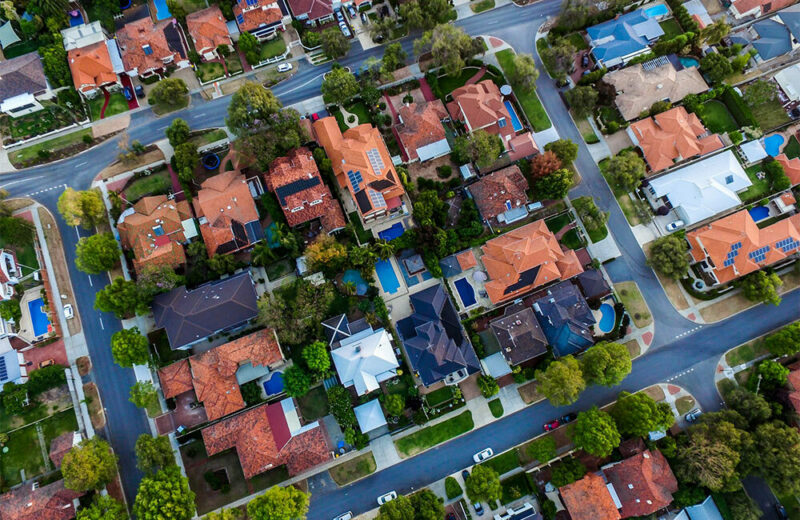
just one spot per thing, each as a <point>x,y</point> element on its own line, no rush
<point>483,484</point>
<point>784,342</point>
<point>16,231</point>
<point>606,364</point>
<point>775,456</point>
<point>103,507</point>
<point>250,107</point>
<point>710,454</point>
<point>296,381</point>
<point>565,150</point>
<point>669,256</point>
<point>339,86</point>
<point>716,66</point>
<point>562,382</point>
<point>484,148</point>
<point>81,208</point>
<point>555,185</point>
<point>97,253</point>
<point>279,503</point>
<point>523,73</point>
<point>426,14</point>
<point>567,471</point>
<point>427,506</point>
<point>626,171</point>
<point>178,132</point>
<point>164,496</point>
<point>316,357</point>
<point>558,57</point>
<point>334,43</point>
<point>400,508</point>
<point>186,160</point>
<point>542,449</point>
<point>582,100</point>
<point>762,286</point>
<point>751,406</point>
<point>55,64</point>
<point>89,465</point>
<point>169,91</point>
<point>123,298</point>
<point>449,46</point>
<point>154,453</point>
<point>250,47</point>
<point>772,374</point>
<point>143,394</point>
<point>595,432</point>
<point>394,57</point>
<point>129,347</point>
<point>638,414</point>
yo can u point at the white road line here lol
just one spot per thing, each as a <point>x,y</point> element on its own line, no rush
<point>90,282</point>
<point>101,323</point>
<point>21,180</point>
<point>304,84</point>
<point>82,163</point>
<point>77,233</point>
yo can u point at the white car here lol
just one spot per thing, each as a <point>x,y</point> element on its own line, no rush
<point>674,225</point>
<point>693,415</point>
<point>285,67</point>
<point>68,312</point>
<point>345,29</point>
<point>345,516</point>
<point>482,455</point>
<point>388,497</point>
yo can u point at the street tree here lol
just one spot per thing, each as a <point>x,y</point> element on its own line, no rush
<point>97,253</point>
<point>225,514</point>
<point>129,347</point>
<point>562,382</point>
<point>143,394</point>
<point>317,359</point>
<point>449,46</point>
<point>483,484</point>
<point>784,342</point>
<point>762,286</point>
<point>89,466</point>
<point>626,171</point>
<point>427,506</point>
<point>595,432</point>
<point>178,132</point>
<point>123,298</point>
<point>668,256</point>
<point>523,74</point>
<point>772,374</point>
<point>296,381</point>
<point>709,456</point>
<point>81,208</point>
<point>394,57</point>
<point>558,58</point>
<point>186,160</point>
<point>606,364</point>
<point>169,91</point>
<point>753,407</point>
<point>103,507</point>
<point>638,414</point>
<point>555,185</point>
<point>545,164</point>
<point>339,86</point>
<point>582,100</point>
<point>716,66</point>
<point>565,150</point>
<point>279,503</point>
<point>394,404</point>
<point>382,28</point>
<point>164,496</point>
<point>567,471</point>
<point>426,14</point>
<point>153,453</point>
<point>759,92</point>
<point>334,43</point>
<point>400,508</point>
<point>542,449</point>
<point>250,108</point>
<point>775,456</point>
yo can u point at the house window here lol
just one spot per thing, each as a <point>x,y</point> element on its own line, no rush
<point>315,202</point>
<point>147,49</point>
<point>729,179</point>
<point>298,208</point>
<point>158,230</point>
<point>501,122</point>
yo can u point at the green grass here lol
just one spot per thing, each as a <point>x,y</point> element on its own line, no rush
<point>364,236</point>
<point>590,138</point>
<point>481,6</point>
<point>504,462</point>
<point>792,148</point>
<point>439,396</point>
<point>209,137</point>
<point>54,145</point>
<point>233,63</point>
<point>353,469</point>
<point>360,111</point>
<point>572,239</point>
<point>496,407</point>
<point>609,114</point>
<point>273,47</point>
<point>746,353</point>
<point>596,234</point>
<point>759,189</point>
<point>18,49</point>
<point>26,255</point>
<point>577,40</point>
<point>792,506</point>
<point>671,28</point>
<point>59,423</point>
<point>24,452</point>
<point>192,5</point>
<point>515,487</point>
<point>684,404</point>
<point>542,44</point>
<point>210,71</point>
<point>556,224</point>
<point>716,117</point>
<point>117,104</point>
<point>529,101</point>
<point>452,488</point>
<point>433,435</point>
<point>269,478</point>
<point>314,404</point>
<point>150,185</point>
<point>770,115</point>
<point>161,109</point>
<point>447,84</point>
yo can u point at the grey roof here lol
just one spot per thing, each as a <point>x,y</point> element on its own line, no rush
<point>773,40</point>
<point>791,17</point>
<point>706,510</point>
<point>192,315</point>
<point>370,416</point>
<point>564,305</point>
<point>22,75</point>
<point>519,334</point>
<point>592,284</point>
<point>336,329</point>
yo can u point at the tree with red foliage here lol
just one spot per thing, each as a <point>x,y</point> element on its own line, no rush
<point>544,164</point>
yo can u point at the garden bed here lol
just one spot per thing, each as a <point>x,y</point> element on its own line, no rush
<point>481,6</point>
<point>52,117</point>
<point>496,407</point>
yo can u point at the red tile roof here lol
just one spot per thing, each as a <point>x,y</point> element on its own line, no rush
<point>136,36</point>
<point>207,29</point>
<point>493,191</point>
<point>766,6</point>
<point>791,167</point>
<point>794,385</point>
<point>263,13</point>
<point>589,499</point>
<point>644,483</point>
<point>91,67</point>
<point>421,126</point>
<point>176,378</point>
<point>50,502</point>
<point>466,260</point>
<point>314,9</point>
<point>521,146</point>
<point>60,446</point>
<point>480,105</point>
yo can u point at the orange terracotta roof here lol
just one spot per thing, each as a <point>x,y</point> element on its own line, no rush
<point>791,167</point>
<point>264,12</point>
<point>301,192</point>
<point>525,258</point>
<point>589,499</point>
<point>480,105</point>
<point>493,191</point>
<point>794,383</point>
<point>60,446</point>
<point>767,6</point>
<point>91,67</point>
<point>521,146</point>
<point>422,125</point>
<point>176,378</point>
<point>736,236</point>
<point>788,198</point>
<point>313,9</point>
<point>466,260</point>
<point>207,29</point>
<point>50,502</point>
<point>673,136</point>
<point>143,34</point>
<point>644,483</point>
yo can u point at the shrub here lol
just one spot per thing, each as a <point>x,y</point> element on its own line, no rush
<point>738,108</point>
<point>488,386</point>
<point>452,488</point>
<point>444,171</point>
<point>87,139</point>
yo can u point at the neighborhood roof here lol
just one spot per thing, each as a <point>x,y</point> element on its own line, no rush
<point>313,9</point>
<point>370,416</point>
<point>774,39</point>
<point>420,132</point>
<point>364,360</point>
<point>434,338</point>
<point>500,191</point>
<point>339,327</point>
<point>589,499</point>
<point>91,67</point>
<point>12,364</point>
<point>753,151</point>
<point>30,502</point>
<point>593,284</point>
<point>624,35</point>
<point>705,510</point>
<point>758,7</point>
<point>480,105</point>
<point>207,29</point>
<point>566,318</point>
<point>698,11</point>
<point>791,167</point>
<point>519,334</point>
<point>145,46</point>
<point>789,81</point>
<point>521,146</point>
<point>644,483</point>
<point>255,14</point>
<point>22,75</point>
<point>525,258</point>
<point>82,35</point>
<point>61,445</point>
<point>794,386</point>
<point>737,246</point>
<point>192,315</point>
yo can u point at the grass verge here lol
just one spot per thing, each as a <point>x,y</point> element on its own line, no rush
<point>51,145</point>
<point>496,407</point>
<point>746,353</point>
<point>632,298</point>
<point>353,469</point>
<point>504,462</point>
<point>528,100</point>
<point>161,109</point>
<point>431,436</point>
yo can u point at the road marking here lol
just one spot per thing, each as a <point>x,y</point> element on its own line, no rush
<point>90,282</point>
<point>82,163</point>
<point>201,114</point>
<point>51,188</point>
<point>680,374</point>
<point>306,83</point>
<point>690,331</point>
<point>77,232</point>
<point>101,323</point>
<point>21,180</point>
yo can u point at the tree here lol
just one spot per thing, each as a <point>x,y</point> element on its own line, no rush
<point>742,507</point>
<point>10,310</point>
<point>225,514</point>
<point>129,348</point>
<point>542,449</point>
<point>484,148</point>
<point>279,503</point>
<point>595,432</point>
<point>483,484</point>
<point>638,414</point>
<point>558,57</point>
<point>776,176</point>
<point>626,171</point>
<point>772,374</point>
<point>89,465</point>
<point>155,279</point>
<point>714,33</point>
<point>250,47</point>
<point>164,496</point>
<point>81,208</point>
<point>296,316</point>
<point>334,43</point>
<point>709,456</point>
<point>340,406</point>
<point>103,507</point>
<point>659,107</point>
<point>55,64</point>
<point>394,57</point>
<point>326,253</point>
<point>16,231</point>
<point>668,256</point>
<point>143,394</point>
<point>775,456</point>
<point>178,132</point>
<point>762,286</point>
<point>427,506</point>
<point>400,508</point>
<point>186,160</point>
<point>565,150</point>
<point>545,164</point>
<point>169,91</point>
<point>154,453</point>
<point>97,253</point>
<point>488,386</point>
<point>339,86</point>
<point>394,404</point>
<point>582,100</point>
<point>382,28</point>
<point>177,10</point>
<point>523,73</point>
<point>370,95</point>
<point>47,8</point>
<point>562,382</point>
<point>449,46</point>
<point>606,364</point>
<point>567,471</point>
<point>753,407</point>
<point>296,381</point>
<point>316,357</point>
<point>426,14</point>
<point>123,298</point>
<point>759,92</point>
<point>716,66</point>
<point>554,186</point>
<point>784,342</point>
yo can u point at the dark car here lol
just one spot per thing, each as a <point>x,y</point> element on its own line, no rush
<point>127,93</point>
<point>451,516</point>
<point>478,508</point>
<point>585,61</point>
<point>552,425</point>
<point>568,418</point>
<point>139,91</point>
<point>781,511</point>
<point>465,474</point>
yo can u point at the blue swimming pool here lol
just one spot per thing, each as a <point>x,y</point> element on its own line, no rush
<point>274,385</point>
<point>351,275</point>
<point>387,276</point>
<point>514,119</point>
<point>759,213</point>
<point>393,232</point>
<point>773,143</point>
<point>607,319</point>
<point>39,319</point>
<point>656,11</point>
<point>689,63</point>
<point>465,291</point>
<point>162,11</point>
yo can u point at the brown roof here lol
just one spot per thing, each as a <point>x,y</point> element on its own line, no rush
<point>794,384</point>
<point>492,192</point>
<point>791,167</point>
<point>60,446</point>
<point>767,6</point>
<point>261,13</point>
<point>519,334</point>
<point>314,9</point>
<point>480,105</point>
<point>142,34</point>
<point>521,146</point>
<point>525,258</point>
<point>176,378</point>
<point>22,75</point>
<point>155,232</point>
<point>644,483</point>
<point>91,67</point>
<point>50,502</point>
<point>207,29</point>
<point>422,125</point>
<point>301,192</point>
<point>589,499</point>
<point>673,136</point>
<point>466,260</point>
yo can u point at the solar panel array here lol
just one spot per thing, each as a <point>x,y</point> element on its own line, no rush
<point>252,2</point>
<point>377,199</point>
<point>355,180</point>
<point>240,19</point>
<point>3,369</point>
<point>375,160</point>
<point>760,254</point>
<point>787,244</point>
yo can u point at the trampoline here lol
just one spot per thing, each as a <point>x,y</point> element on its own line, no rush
<point>210,161</point>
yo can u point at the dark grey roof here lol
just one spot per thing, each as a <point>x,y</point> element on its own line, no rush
<point>131,15</point>
<point>189,316</point>
<point>336,329</point>
<point>174,42</point>
<point>592,284</point>
<point>519,334</point>
<point>564,305</point>
<point>22,75</point>
<point>381,184</point>
<point>364,204</point>
<point>295,187</point>
<point>791,17</point>
<point>773,40</point>
<point>525,279</point>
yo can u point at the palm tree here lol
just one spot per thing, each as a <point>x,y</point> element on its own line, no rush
<point>262,254</point>
<point>383,249</point>
<point>349,288</point>
<point>287,238</point>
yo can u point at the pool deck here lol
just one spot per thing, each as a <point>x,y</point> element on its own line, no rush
<point>25,324</point>
<point>598,316</point>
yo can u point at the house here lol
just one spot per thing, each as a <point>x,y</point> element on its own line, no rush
<point>208,31</point>
<point>23,85</point>
<point>365,359</point>
<point>370,416</point>
<point>705,510</point>
<point>301,192</point>
<point>83,35</point>
<point>501,196</point>
<point>590,499</point>
<point>434,339</point>
<point>61,445</point>
<point>92,69</point>
<point>592,284</point>
<point>698,12</point>
<point>363,167</point>
<point>671,137</point>
<point>520,337</point>
<point>156,229</point>
<point>190,316</point>
<point>566,319</point>
<point>702,189</point>
<point>216,375</point>
<point>641,85</point>
<point>756,8</point>
<point>772,37</point>
<point>227,214</point>
<point>643,483</point>
<point>9,273</point>
<point>148,48</point>
<point>261,18</point>
<point>269,436</point>
<point>420,131</point>
<point>791,167</point>
<point>618,41</point>
<point>311,11</point>
<point>734,246</point>
<point>788,80</point>
<point>523,259</point>
<point>13,368</point>
<point>33,502</point>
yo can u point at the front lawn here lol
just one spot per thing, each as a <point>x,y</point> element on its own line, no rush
<point>746,353</point>
<point>353,469</point>
<point>150,185</point>
<point>233,63</point>
<point>631,297</point>
<point>161,109</point>
<point>438,397</point>
<point>770,115</point>
<point>210,71</point>
<point>504,462</point>
<point>51,118</point>
<point>577,40</point>
<point>314,405</point>
<point>481,6</point>
<point>556,224</point>
<point>792,148</point>
<point>208,137</point>
<point>273,47</point>
<point>671,28</point>
<point>433,435</point>
<point>515,487</point>
<point>52,145</point>
<point>572,239</point>
<point>528,100</point>
<point>360,110</point>
<point>496,407</point>
<point>447,84</point>
<point>117,104</point>
<point>760,187</point>
<point>716,117</point>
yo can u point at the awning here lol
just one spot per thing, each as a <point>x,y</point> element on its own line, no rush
<point>7,35</point>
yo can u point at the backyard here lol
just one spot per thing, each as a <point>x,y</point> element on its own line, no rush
<point>515,487</point>
<point>314,404</point>
<point>431,436</point>
<point>671,28</point>
<point>26,256</point>
<point>770,115</point>
<point>792,148</point>
<point>716,117</point>
<point>630,296</point>
<point>529,101</point>
<point>117,104</point>
<point>760,187</point>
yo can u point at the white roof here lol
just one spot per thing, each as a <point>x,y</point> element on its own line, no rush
<point>116,58</point>
<point>18,101</point>
<point>7,35</point>
<point>433,150</point>
<point>789,81</point>
<point>696,7</point>
<point>82,35</point>
<point>753,151</point>
<point>704,188</point>
<point>364,360</point>
<point>496,365</point>
<point>370,416</point>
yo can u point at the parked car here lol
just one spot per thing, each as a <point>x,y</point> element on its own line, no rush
<point>552,425</point>
<point>315,117</point>
<point>478,508</point>
<point>345,29</point>
<point>465,474</point>
<point>388,497</point>
<point>482,455</point>
<point>285,67</point>
<point>568,418</point>
<point>351,11</point>
<point>47,363</point>
<point>345,516</point>
<point>127,93</point>
<point>782,514</point>
<point>674,225</point>
<point>585,60</point>
<point>68,312</point>
<point>693,415</point>
<point>364,18</point>
<point>339,15</point>
<point>139,91</point>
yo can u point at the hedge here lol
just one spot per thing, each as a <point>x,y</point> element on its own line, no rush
<point>738,108</point>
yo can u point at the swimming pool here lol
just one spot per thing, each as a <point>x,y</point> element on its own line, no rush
<point>759,213</point>
<point>514,119</point>
<point>39,319</point>
<point>387,276</point>
<point>465,291</point>
<point>607,319</point>
<point>162,11</point>
<point>274,385</point>
<point>656,11</point>
<point>773,143</point>
<point>689,63</point>
<point>393,232</point>
<point>351,275</point>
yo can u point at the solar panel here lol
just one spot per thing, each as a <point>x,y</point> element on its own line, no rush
<point>729,262</point>
<point>761,251</point>
<point>355,180</point>
<point>252,2</point>
<point>377,199</point>
<point>239,19</point>
<point>733,254</point>
<point>147,50</point>
<point>375,160</point>
<point>3,369</point>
